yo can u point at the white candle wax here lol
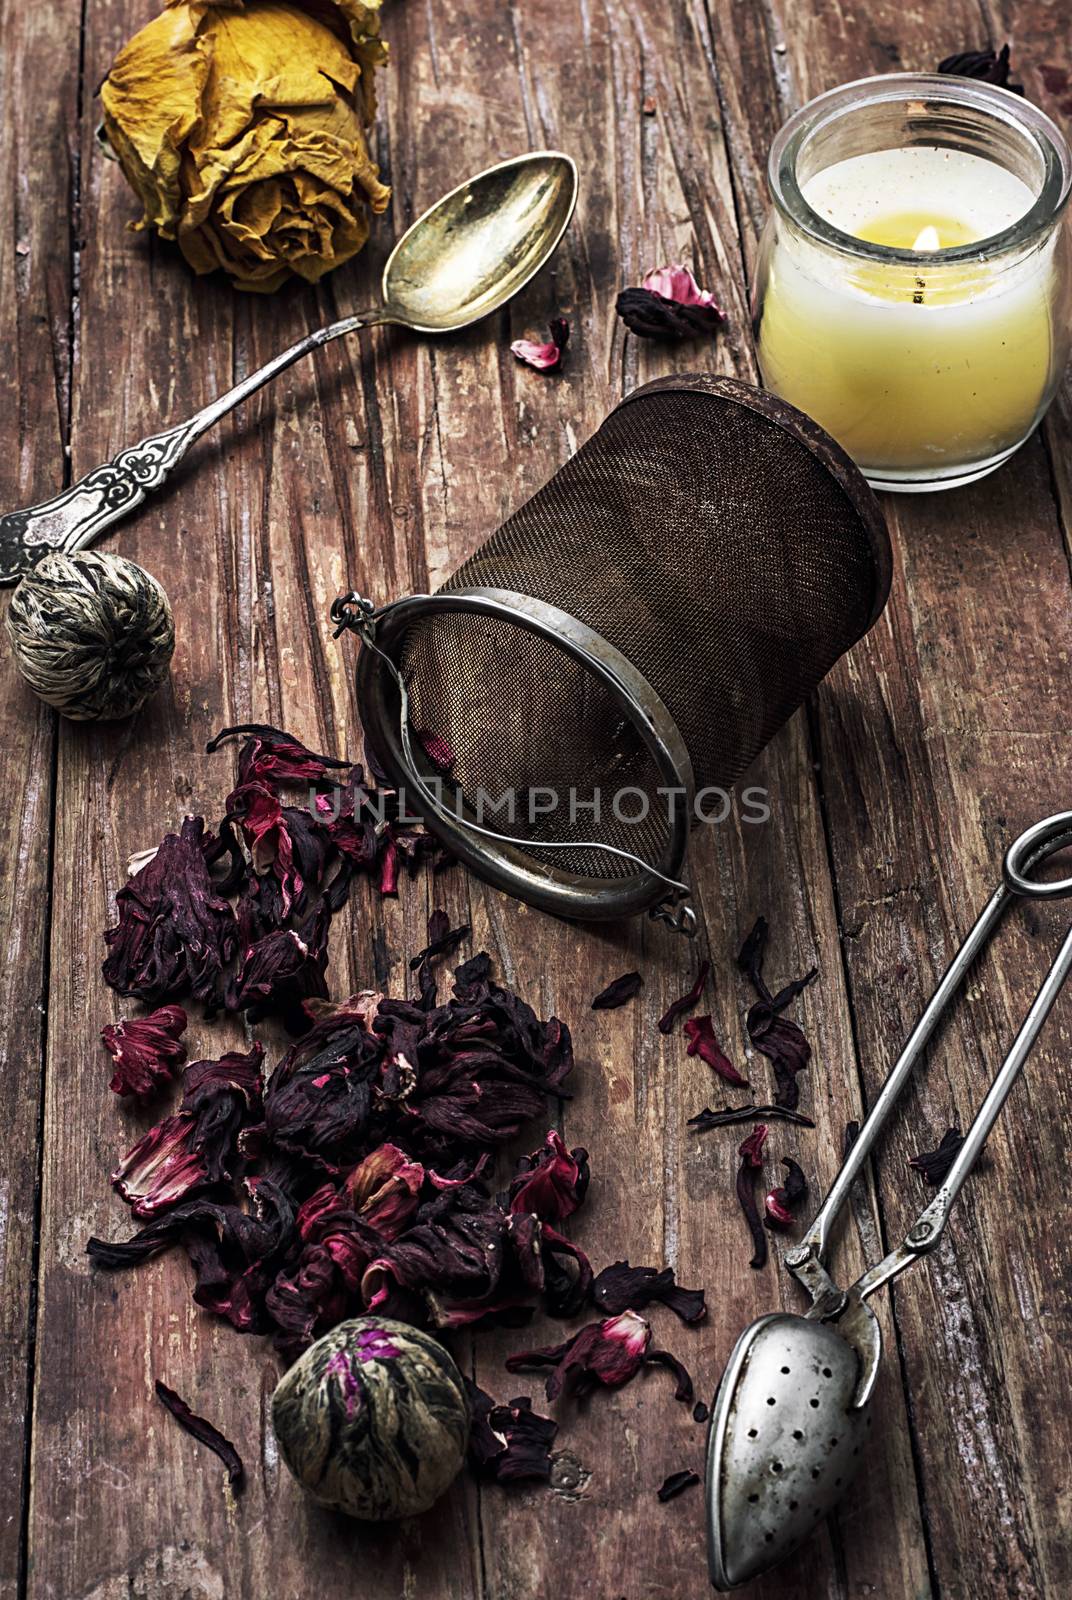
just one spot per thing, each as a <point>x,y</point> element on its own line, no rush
<point>907,365</point>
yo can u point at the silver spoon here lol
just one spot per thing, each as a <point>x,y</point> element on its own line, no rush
<point>791,1416</point>
<point>464,258</point>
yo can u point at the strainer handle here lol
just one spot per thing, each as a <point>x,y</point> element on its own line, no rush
<point>1032,847</point>
<point>926,1231</point>
<point>816,1242</point>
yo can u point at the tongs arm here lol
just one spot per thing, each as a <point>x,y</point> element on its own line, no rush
<point>926,1231</point>
<point>1034,845</point>
<point>816,1242</point>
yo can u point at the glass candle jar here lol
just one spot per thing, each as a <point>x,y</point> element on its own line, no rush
<point>914,290</point>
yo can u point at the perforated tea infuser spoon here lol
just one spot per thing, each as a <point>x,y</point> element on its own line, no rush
<point>464,258</point>
<point>791,1416</point>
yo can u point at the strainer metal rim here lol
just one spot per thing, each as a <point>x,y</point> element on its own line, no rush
<point>508,866</point>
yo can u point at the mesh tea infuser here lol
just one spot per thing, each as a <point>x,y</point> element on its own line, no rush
<point>791,1416</point>
<point>630,638</point>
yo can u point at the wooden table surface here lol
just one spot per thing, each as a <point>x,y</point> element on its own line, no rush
<point>379,465</point>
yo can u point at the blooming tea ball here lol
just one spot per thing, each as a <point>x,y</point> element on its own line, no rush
<point>92,634</point>
<point>373,1419</point>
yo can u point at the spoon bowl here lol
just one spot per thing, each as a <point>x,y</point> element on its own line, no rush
<point>481,243</point>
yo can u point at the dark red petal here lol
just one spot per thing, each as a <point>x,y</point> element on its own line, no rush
<point>783,1201</point>
<point>986,65</point>
<point>700,1412</point>
<point>618,992</point>
<point>651,316</point>
<point>176,933</point>
<point>146,1050</point>
<point>608,1353</point>
<point>777,1213</point>
<point>784,1045</point>
<point>726,1116</point>
<point>750,1149</point>
<point>204,1431</point>
<point>162,1168</point>
<point>271,754</point>
<point>621,1287</point>
<point>934,1165</point>
<point>552,1182</point>
<point>687,1001</point>
<point>702,1042</point>
<point>677,1481</point>
<point>510,1443</point>
<point>751,1154</point>
<point>663,1358</point>
<point>389,863</point>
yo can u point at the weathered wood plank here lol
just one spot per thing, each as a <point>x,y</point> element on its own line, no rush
<point>248,546</point>
<point>38,96</point>
<point>652,189</point>
<point>939,740</point>
<point>383,468</point>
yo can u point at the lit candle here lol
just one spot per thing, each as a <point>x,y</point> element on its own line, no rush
<point>913,297</point>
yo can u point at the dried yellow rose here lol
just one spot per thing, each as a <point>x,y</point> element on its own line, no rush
<point>241,125</point>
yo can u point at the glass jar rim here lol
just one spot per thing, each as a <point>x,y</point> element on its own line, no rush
<point>1000,103</point>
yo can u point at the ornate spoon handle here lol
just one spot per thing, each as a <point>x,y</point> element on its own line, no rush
<point>79,514</point>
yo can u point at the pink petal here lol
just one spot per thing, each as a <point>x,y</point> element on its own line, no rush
<point>544,357</point>
<point>677,283</point>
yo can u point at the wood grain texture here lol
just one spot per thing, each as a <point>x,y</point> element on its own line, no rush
<point>939,739</point>
<point>380,466</point>
<point>38,182</point>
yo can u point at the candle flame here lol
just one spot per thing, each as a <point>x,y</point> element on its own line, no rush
<point>927,239</point>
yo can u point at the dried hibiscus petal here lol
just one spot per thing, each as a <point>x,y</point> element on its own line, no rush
<point>146,1050</point>
<point>383,1189</point>
<point>727,1116</point>
<point>618,992</point>
<point>669,305</point>
<point>781,1041</point>
<point>175,933</point>
<point>271,755</point>
<point>986,65</point>
<point>204,1431</point>
<point>750,1152</point>
<point>552,1183</point>
<point>624,1288</point>
<point>935,1164</point>
<point>607,1353</point>
<point>282,970</point>
<point>461,1260</point>
<point>487,1063</point>
<point>319,1098</point>
<point>443,940</point>
<point>675,1483</point>
<point>544,357</point>
<point>687,1001</point>
<point>195,1147</point>
<point>781,1202</point>
<point>678,284</point>
<point>700,1033</point>
<point>509,1443</point>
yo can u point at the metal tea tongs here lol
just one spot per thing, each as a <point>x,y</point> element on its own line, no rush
<point>791,1415</point>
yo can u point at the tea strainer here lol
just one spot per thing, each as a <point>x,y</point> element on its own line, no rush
<point>622,646</point>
